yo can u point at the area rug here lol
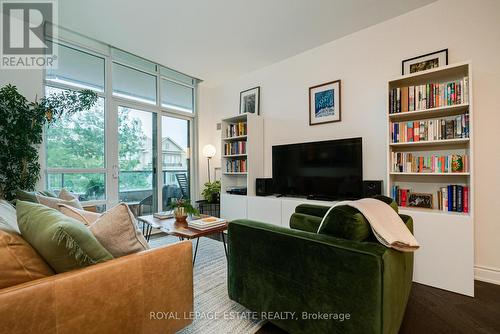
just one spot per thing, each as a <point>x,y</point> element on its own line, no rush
<point>216,313</point>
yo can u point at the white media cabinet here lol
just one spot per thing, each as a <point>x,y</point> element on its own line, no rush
<point>269,209</point>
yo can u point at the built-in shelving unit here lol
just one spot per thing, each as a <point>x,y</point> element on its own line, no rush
<point>446,257</point>
<point>242,146</point>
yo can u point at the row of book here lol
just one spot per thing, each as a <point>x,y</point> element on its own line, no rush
<point>236,130</point>
<point>236,166</point>
<point>451,127</point>
<point>403,162</point>
<point>238,147</point>
<point>454,198</point>
<point>432,95</point>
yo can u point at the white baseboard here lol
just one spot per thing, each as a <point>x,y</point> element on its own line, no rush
<point>487,274</point>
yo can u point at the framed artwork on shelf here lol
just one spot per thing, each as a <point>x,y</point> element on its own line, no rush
<point>324,103</point>
<point>418,200</point>
<point>425,62</point>
<point>250,101</point>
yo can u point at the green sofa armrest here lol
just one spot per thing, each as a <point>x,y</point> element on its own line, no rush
<point>303,222</point>
<point>275,269</point>
<point>312,210</point>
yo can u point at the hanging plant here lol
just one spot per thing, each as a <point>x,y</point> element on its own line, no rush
<point>21,133</point>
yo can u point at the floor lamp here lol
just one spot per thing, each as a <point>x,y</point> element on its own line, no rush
<point>209,152</point>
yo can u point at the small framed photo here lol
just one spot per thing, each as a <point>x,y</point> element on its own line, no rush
<point>250,101</point>
<point>425,62</point>
<point>419,200</point>
<point>324,103</point>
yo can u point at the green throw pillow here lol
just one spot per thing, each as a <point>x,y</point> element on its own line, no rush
<point>64,243</point>
<point>27,196</point>
<point>347,222</point>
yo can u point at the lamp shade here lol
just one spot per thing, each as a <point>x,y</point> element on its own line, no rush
<point>209,151</point>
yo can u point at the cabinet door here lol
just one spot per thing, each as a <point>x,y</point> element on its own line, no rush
<point>264,209</point>
<point>445,258</point>
<point>233,206</point>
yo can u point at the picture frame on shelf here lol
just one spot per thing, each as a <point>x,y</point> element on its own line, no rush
<point>421,200</point>
<point>424,62</point>
<point>325,103</point>
<point>250,101</point>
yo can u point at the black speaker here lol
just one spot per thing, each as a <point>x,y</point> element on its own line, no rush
<point>264,186</point>
<point>372,188</point>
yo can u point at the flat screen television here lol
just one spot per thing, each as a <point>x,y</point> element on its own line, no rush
<point>329,170</point>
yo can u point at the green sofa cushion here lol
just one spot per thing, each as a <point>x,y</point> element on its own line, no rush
<point>347,222</point>
<point>30,196</point>
<point>63,242</point>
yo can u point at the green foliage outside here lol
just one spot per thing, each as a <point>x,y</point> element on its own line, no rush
<point>77,141</point>
<point>21,133</point>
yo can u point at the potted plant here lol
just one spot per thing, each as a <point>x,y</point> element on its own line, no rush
<point>211,192</point>
<point>182,208</point>
<point>21,133</point>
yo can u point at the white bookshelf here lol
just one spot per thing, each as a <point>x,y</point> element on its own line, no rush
<point>254,139</point>
<point>446,257</point>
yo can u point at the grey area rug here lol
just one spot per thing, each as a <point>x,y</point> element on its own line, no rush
<point>217,314</point>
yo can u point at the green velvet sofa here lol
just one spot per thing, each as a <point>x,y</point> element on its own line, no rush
<point>305,282</point>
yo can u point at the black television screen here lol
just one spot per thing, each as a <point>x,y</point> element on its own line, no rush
<point>330,170</point>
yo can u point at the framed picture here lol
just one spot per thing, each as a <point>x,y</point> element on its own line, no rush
<point>324,103</point>
<point>250,101</point>
<point>418,200</point>
<point>425,62</point>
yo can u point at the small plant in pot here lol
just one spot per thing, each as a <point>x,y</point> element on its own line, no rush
<point>211,192</point>
<point>182,208</point>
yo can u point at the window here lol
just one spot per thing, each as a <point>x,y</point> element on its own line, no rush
<point>176,96</point>
<point>78,69</point>
<point>133,84</point>
<point>136,152</point>
<point>107,163</point>
<point>175,157</point>
<point>75,144</point>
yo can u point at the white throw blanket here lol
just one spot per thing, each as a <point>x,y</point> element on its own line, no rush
<point>386,224</point>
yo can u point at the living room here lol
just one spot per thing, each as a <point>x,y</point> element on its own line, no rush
<point>226,167</point>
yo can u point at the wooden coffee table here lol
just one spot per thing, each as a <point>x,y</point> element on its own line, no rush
<point>181,230</point>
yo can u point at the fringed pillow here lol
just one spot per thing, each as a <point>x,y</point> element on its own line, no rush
<point>64,243</point>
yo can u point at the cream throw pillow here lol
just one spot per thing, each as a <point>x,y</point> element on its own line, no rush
<point>66,195</point>
<point>52,202</point>
<point>83,216</point>
<point>117,231</point>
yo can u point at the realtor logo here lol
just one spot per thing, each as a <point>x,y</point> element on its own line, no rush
<point>24,27</point>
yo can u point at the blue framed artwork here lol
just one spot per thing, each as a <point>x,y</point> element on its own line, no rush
<point>324,103</point>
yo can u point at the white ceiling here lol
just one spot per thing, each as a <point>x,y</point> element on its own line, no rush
<point>216,40</point>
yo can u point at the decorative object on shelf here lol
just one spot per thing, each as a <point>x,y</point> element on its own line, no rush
<point>425,62</point>
<point>250,101</point>
<point>209,152</point>
<point>211,192</point>
<point>22,133</point>
<point>182,208</point>
<point>418,200</point>
<point>324,103</point>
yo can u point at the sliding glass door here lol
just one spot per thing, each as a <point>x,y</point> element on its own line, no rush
<point>137,158</point>
<point>175,159</point>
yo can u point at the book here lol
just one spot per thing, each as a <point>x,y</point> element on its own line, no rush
<point>164,214</point>
<point>451,127</point>
<point>465,201</point>
<point>428,96</point>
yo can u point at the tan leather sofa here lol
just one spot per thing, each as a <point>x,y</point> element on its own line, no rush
<point>147,292</point>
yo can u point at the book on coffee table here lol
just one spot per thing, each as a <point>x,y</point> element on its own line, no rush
<point>164,214</point>
<point>206,223</point>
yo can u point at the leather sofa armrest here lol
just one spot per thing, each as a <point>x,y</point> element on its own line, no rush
<point>147,292</point>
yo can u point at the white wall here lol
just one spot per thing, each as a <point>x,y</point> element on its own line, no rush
<point>365,61</point>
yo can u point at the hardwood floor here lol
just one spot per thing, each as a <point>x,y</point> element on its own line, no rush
<point>435,311</point>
